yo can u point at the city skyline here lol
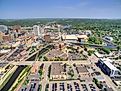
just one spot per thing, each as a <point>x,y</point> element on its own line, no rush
<point>60,45</point>
<point>20,9</point>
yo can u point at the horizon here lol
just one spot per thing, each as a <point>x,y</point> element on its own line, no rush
<point>96,9</point>
<point>60,18</point>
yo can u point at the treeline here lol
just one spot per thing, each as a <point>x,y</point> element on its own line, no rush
<point>90,24</point>
<point>24,22</point>
<point>93,24</point>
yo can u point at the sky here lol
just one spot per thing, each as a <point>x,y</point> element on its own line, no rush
<point>19,9</point>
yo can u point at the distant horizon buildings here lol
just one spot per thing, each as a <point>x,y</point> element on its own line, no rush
<point>9,33</point>
<point>3,28</point>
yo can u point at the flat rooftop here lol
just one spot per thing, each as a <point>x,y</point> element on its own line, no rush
<point>3,64</point>
<point>57,68</point>
<point>56,53</point>
<point>110,65</point>
<point>81,69</point>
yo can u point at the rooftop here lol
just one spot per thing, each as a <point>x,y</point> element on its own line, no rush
<point>56,53</point>
<point>98,54</point>
<point>81,69</point>
<point>3,64</point>
<point>74,37</point>
<point>4,51</point>
<point>106,59</point>
<point>57,68</point>
<point>111,66</point>
<point>82,36</point>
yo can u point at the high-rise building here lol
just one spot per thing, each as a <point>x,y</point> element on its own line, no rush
<point>36,30</point>
<point>3,28</point>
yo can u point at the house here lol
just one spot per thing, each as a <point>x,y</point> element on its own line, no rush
<point>58,71</point>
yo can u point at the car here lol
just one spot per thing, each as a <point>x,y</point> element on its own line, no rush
<point>41,67</point>
<point>39,86</point>
<point>36,79</point>
<point>69,87</point>
<point>31,89</point>
<point>34,85</point>
<point>32,79</point>
<point>55,85</point>
<point>77,90</point>
<point>62,88</point>
<point>25,89</point>
<point>74,83</point>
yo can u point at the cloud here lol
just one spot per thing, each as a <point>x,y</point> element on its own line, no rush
<point>83,3</point>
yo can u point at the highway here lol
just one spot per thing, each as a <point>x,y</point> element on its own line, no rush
<point>13,78</point>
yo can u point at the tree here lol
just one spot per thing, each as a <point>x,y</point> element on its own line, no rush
<point>45,58</point>
<point>90,52</point>
<point>95,40</point>
<point>71,72</point>
<point>40,72</point>
<point>118,48</point>
<point>106,50</point>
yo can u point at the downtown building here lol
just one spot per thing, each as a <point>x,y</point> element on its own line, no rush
<point>38,30</point>
<point>108,68</point>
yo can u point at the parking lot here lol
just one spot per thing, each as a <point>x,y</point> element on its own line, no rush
<point>74,85</point>
<point>33,86</point>
<point>34,81</point>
